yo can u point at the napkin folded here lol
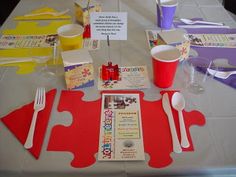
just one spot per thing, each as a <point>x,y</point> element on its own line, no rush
<point>18,122</point>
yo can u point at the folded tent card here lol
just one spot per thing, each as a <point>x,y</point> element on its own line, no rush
<point>83,8</point>
<point>174,37</point>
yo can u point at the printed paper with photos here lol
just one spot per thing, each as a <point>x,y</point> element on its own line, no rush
<point>212,40</point>
<point>27,41</point>
<point>121,129</point>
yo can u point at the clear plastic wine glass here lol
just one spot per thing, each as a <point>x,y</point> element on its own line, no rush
<point>195,73</point>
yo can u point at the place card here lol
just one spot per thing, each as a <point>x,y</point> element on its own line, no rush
<point>130,77</point>
<point>121,135</point>
<point>112,24</point>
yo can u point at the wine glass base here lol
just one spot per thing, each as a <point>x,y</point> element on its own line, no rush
<point>52,71</point>
<point>195,88</point>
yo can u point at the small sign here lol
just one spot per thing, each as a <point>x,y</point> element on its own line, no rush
<point>112,24</point>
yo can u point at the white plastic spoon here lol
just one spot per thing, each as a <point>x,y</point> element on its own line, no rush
<point>178,104</point>
<point>191,22</point>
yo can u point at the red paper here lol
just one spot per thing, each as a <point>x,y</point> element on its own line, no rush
<point>18,122</point>
<point>82,137</point>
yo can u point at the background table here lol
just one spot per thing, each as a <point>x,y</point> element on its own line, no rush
<point>215,152</point>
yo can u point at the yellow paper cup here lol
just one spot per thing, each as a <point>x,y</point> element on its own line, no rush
<point>71,36</point>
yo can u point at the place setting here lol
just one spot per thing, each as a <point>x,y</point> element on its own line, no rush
<point>181,57</point>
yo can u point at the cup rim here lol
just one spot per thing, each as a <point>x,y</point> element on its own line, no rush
<point>175,3</point>
<point>167,47</point>
<point>70,26</point>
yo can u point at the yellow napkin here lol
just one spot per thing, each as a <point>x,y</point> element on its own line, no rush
<point>42,17</point>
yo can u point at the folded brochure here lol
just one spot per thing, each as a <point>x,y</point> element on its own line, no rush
<point>121,135</point>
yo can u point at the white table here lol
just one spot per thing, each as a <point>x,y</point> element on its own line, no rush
<point>215,152</point>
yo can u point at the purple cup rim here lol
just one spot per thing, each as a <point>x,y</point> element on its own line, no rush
<point>168,5</point>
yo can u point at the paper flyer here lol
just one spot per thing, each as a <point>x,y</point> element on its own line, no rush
<point>134,77</point>
<point>121,135</point>
<point>27,41</point>
<point>212,40</point>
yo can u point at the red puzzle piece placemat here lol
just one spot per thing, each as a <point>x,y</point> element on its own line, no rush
<point>82,137</point>
<point>18,122</point>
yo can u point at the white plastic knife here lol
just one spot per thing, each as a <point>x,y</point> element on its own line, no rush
<point>167,108</point>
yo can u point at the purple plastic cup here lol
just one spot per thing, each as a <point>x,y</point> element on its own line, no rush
<point>165,13</point>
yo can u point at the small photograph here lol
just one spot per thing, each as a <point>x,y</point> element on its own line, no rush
<point>194,40</point>
<point>128,144</point>
<point>51,39</point>
<point>118,101</point>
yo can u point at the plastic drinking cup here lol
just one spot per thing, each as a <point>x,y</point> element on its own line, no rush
<point>195,73</point>
<point>70,36</point>
<point>165,13</point>
<point>165,59</point>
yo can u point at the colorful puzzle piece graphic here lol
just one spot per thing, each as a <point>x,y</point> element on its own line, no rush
<point>82,137</point>
<point>18,122</point>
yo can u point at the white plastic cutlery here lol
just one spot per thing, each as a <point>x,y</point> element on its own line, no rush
<point>37,59</point>
<point>39,105</point>
<point>192,22</point>
<point>221,74</point>
<point>178,103</point>
<point>201,26</point>
<point>167,108</point>
<point>48,13</point>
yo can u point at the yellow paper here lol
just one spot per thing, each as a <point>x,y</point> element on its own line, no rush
<point>42,17</point>
<point>30,28</point>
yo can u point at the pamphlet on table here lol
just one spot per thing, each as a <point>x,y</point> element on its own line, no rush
<point>27,41</point>
<point>39,41</point>
<point>121,135</point>
<point>212,40</point>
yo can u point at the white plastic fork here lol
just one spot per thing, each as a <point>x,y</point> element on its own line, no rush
<point>39,105</point>
<point>55,14</point>
<point>192,22</point>
<point>221,74</point>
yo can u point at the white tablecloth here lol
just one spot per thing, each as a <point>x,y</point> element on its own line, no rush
<point>214,144</point>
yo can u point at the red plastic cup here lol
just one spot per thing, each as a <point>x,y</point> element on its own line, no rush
<point>165,59</point>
